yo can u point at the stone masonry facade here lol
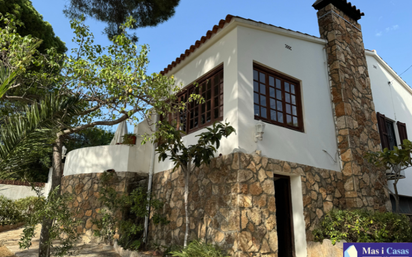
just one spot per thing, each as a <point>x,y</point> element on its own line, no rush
<point>354,110</point>
<point>232,201</point>
<point>85,189</point>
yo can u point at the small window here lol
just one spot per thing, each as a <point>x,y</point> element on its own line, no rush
<point>277,98</point>
<point>387,132</point>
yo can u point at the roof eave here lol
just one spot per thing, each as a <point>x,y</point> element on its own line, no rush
<point>389,69</point>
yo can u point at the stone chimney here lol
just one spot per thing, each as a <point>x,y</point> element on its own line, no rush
<point>354,111</point>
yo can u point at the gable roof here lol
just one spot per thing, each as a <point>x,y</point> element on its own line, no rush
<point>229,18</point>
<point>343,5</point>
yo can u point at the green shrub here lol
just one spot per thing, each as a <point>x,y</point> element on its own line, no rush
<point>9,213</point>
<point>364,226</point>
<point>199,249</point>
<point>13,212</point>
<point>63,232</point>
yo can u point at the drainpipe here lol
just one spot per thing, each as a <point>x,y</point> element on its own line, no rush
<point>149,186</point>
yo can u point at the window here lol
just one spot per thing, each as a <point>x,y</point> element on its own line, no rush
<point>197,116</point>
<point>386,131</point>
<point>277,99</point>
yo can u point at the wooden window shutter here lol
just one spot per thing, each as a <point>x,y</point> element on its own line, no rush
<point>402,131</point>
<point>382,130</point>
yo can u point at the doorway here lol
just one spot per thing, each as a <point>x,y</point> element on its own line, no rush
<point>284,216</point>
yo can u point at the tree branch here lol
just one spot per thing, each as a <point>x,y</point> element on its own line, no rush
<point>98,123</point>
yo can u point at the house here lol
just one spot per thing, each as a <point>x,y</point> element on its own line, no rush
<point>318,98</point>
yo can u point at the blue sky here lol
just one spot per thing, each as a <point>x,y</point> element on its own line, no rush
<point>386,26</point>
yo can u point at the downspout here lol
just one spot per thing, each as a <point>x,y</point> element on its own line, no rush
<point>149,186</point>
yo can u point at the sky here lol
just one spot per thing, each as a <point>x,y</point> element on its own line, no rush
<point>386,26</point>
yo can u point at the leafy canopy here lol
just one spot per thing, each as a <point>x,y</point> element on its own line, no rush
<point>34,24</point>
<point>115,12</point>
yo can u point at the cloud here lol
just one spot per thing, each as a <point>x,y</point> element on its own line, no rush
<point>388,29</point>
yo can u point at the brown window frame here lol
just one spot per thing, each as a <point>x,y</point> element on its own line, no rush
<point>269,97</point>
<point>200,86</point>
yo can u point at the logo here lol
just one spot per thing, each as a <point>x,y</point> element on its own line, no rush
<point>377,250</point>
<point>351,252</point>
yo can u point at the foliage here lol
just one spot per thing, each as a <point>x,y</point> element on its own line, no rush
<point>199,249</point>
<point>124,214</point>
<point>394,161</point>
<point>129,139</point>
<point>89,137</point>
<point>110,85</point>
<point>115,13</point>
<point>64,228</point>
<point>33,22</point>
<point>25,136</point>
<point>9,213</point>
<point>14,212</point>
<point>171,146</point>
<point>364,226</point>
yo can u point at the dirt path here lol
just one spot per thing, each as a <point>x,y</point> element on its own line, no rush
<point>4,252</point>
<point>10,239</point>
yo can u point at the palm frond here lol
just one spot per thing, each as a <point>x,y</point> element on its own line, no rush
<point>36,128</point>
<point>6,80</point>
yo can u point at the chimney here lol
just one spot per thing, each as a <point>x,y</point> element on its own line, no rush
<point>354,111</point>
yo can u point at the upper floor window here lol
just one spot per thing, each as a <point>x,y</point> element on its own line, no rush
<point>277,98</point>
<point>197,116</point>
<point>387,131</point>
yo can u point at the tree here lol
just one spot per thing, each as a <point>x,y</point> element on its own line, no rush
<point>394,161</point>
<point>89,137</point>
<point>170,146</point>
<point>110,85</point>
<point>34,25</point>
<point>115,12</point>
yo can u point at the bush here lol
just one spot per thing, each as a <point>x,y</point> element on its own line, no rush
<point>199,249</point>
<point>13,212</point>
<point>63,232</point>
<point>123,214</point>
<point>364,226</point>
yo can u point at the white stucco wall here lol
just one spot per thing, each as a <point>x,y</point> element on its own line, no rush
<point>97,159</point>
<point>121,158</point>
<point>15,192</point>
<point>216,51</point>
<point>394,100</point>
<point>306,63</point>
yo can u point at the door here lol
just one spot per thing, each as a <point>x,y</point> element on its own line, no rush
<point>284,217</point>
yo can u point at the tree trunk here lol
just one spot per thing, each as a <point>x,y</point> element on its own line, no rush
<point>44,247</point>
<point>186,194</point>
<point>395,186</point>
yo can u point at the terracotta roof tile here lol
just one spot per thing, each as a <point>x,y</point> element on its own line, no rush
<point>210,33</point>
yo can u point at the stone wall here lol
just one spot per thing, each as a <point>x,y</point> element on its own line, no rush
<point>232,201</point>
<point>354,110</point>
<point>85,189</point>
